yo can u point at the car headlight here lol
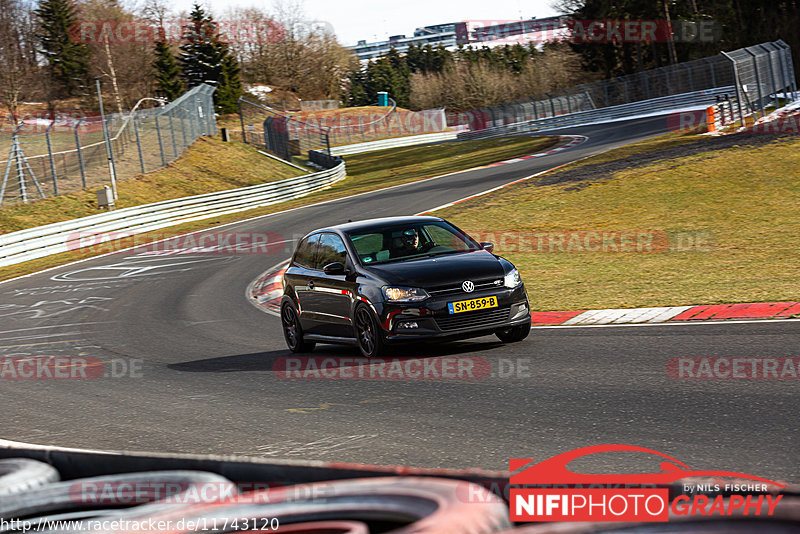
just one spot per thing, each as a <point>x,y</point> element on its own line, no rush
<point>512,279</point>
<point>404,294</point>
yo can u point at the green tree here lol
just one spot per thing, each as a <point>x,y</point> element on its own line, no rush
<point>389,74</point>
<point>229,88</point>
<point>67,59</point>
<point>427,59</point>
<point>357,92</point>
<point>205,58</point>
<point>201,55</point>
<point>167,71</point>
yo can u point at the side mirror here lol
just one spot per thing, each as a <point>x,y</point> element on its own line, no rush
<point>334,268</point>
<point>488,247</point>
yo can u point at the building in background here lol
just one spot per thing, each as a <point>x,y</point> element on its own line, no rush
<point>472,32</point>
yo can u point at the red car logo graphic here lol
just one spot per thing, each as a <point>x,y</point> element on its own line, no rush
<point>554,470</point>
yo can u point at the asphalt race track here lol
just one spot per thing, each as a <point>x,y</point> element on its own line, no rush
<point>196,361</point>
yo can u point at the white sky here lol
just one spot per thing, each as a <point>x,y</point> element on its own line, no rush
<point>353,20</point>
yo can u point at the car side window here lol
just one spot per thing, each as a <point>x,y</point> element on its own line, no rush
<point>331,249</point>
<point>306,251</point>
<point>446,238</point>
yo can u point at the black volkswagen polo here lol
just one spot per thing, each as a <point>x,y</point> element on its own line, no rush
<point>398,279</point>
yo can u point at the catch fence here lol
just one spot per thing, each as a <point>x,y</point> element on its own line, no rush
<point>45,157</point>
<point>757,76</point>
<point>288,135</point>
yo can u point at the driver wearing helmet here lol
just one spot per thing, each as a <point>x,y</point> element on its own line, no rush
<point>409,244</point>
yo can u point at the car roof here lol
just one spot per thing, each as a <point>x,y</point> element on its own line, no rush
<point>383,221</point>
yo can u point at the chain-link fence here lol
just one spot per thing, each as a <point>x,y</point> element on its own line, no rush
<point>288,136</point>
<point>280,134</point>
<point>44,158</point>
<point>754,75</point>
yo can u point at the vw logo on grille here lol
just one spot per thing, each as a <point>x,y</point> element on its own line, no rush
<point>468,286</point>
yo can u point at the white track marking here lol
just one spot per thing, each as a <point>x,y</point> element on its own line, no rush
<point>39,336</point>
<point>8,444</point>
<point>627,315</point>
<point>492,190</point>
<point>53,326</point>
<point>676,323</point>
<point>668,314</point>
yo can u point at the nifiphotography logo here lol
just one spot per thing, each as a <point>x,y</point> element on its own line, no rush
<point>554,493</point>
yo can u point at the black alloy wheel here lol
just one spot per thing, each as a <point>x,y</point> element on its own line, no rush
<point>368,334</point>
<point>292,331</point>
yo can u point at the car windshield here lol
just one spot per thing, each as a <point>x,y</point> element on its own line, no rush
<point>399,242</point>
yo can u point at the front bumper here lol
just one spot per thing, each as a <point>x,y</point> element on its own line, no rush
<point>434,321</point>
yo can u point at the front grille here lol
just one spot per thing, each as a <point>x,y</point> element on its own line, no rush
<point>491,283</point>
<point>478,318</point>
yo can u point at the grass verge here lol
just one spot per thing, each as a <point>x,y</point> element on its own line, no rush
<point>722,226</point>
<point>366,172</point>
<point>197,171</point>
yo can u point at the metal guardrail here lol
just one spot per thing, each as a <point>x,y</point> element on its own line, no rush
<point>396,142</point>
<point>662,104</point>
<point>33,243</point>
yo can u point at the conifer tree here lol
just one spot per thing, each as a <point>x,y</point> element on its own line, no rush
<point>229,88</point>
<point>67,58</point>
<point>167,72</point>
<point>205,58</point>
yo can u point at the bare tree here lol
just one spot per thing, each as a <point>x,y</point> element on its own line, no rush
<point>292,52</point>
<point>19,72</point>
<point>465,85</point>
<point>123,58</point>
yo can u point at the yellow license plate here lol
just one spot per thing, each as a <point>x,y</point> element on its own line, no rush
<point>472,304</point>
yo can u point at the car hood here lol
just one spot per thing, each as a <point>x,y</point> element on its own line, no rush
<point>447,269</point>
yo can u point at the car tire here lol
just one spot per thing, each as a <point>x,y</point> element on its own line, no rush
<point>515,333</point>
<point>293,332</point>
<point>21,474</point>
<point>368,332</point>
